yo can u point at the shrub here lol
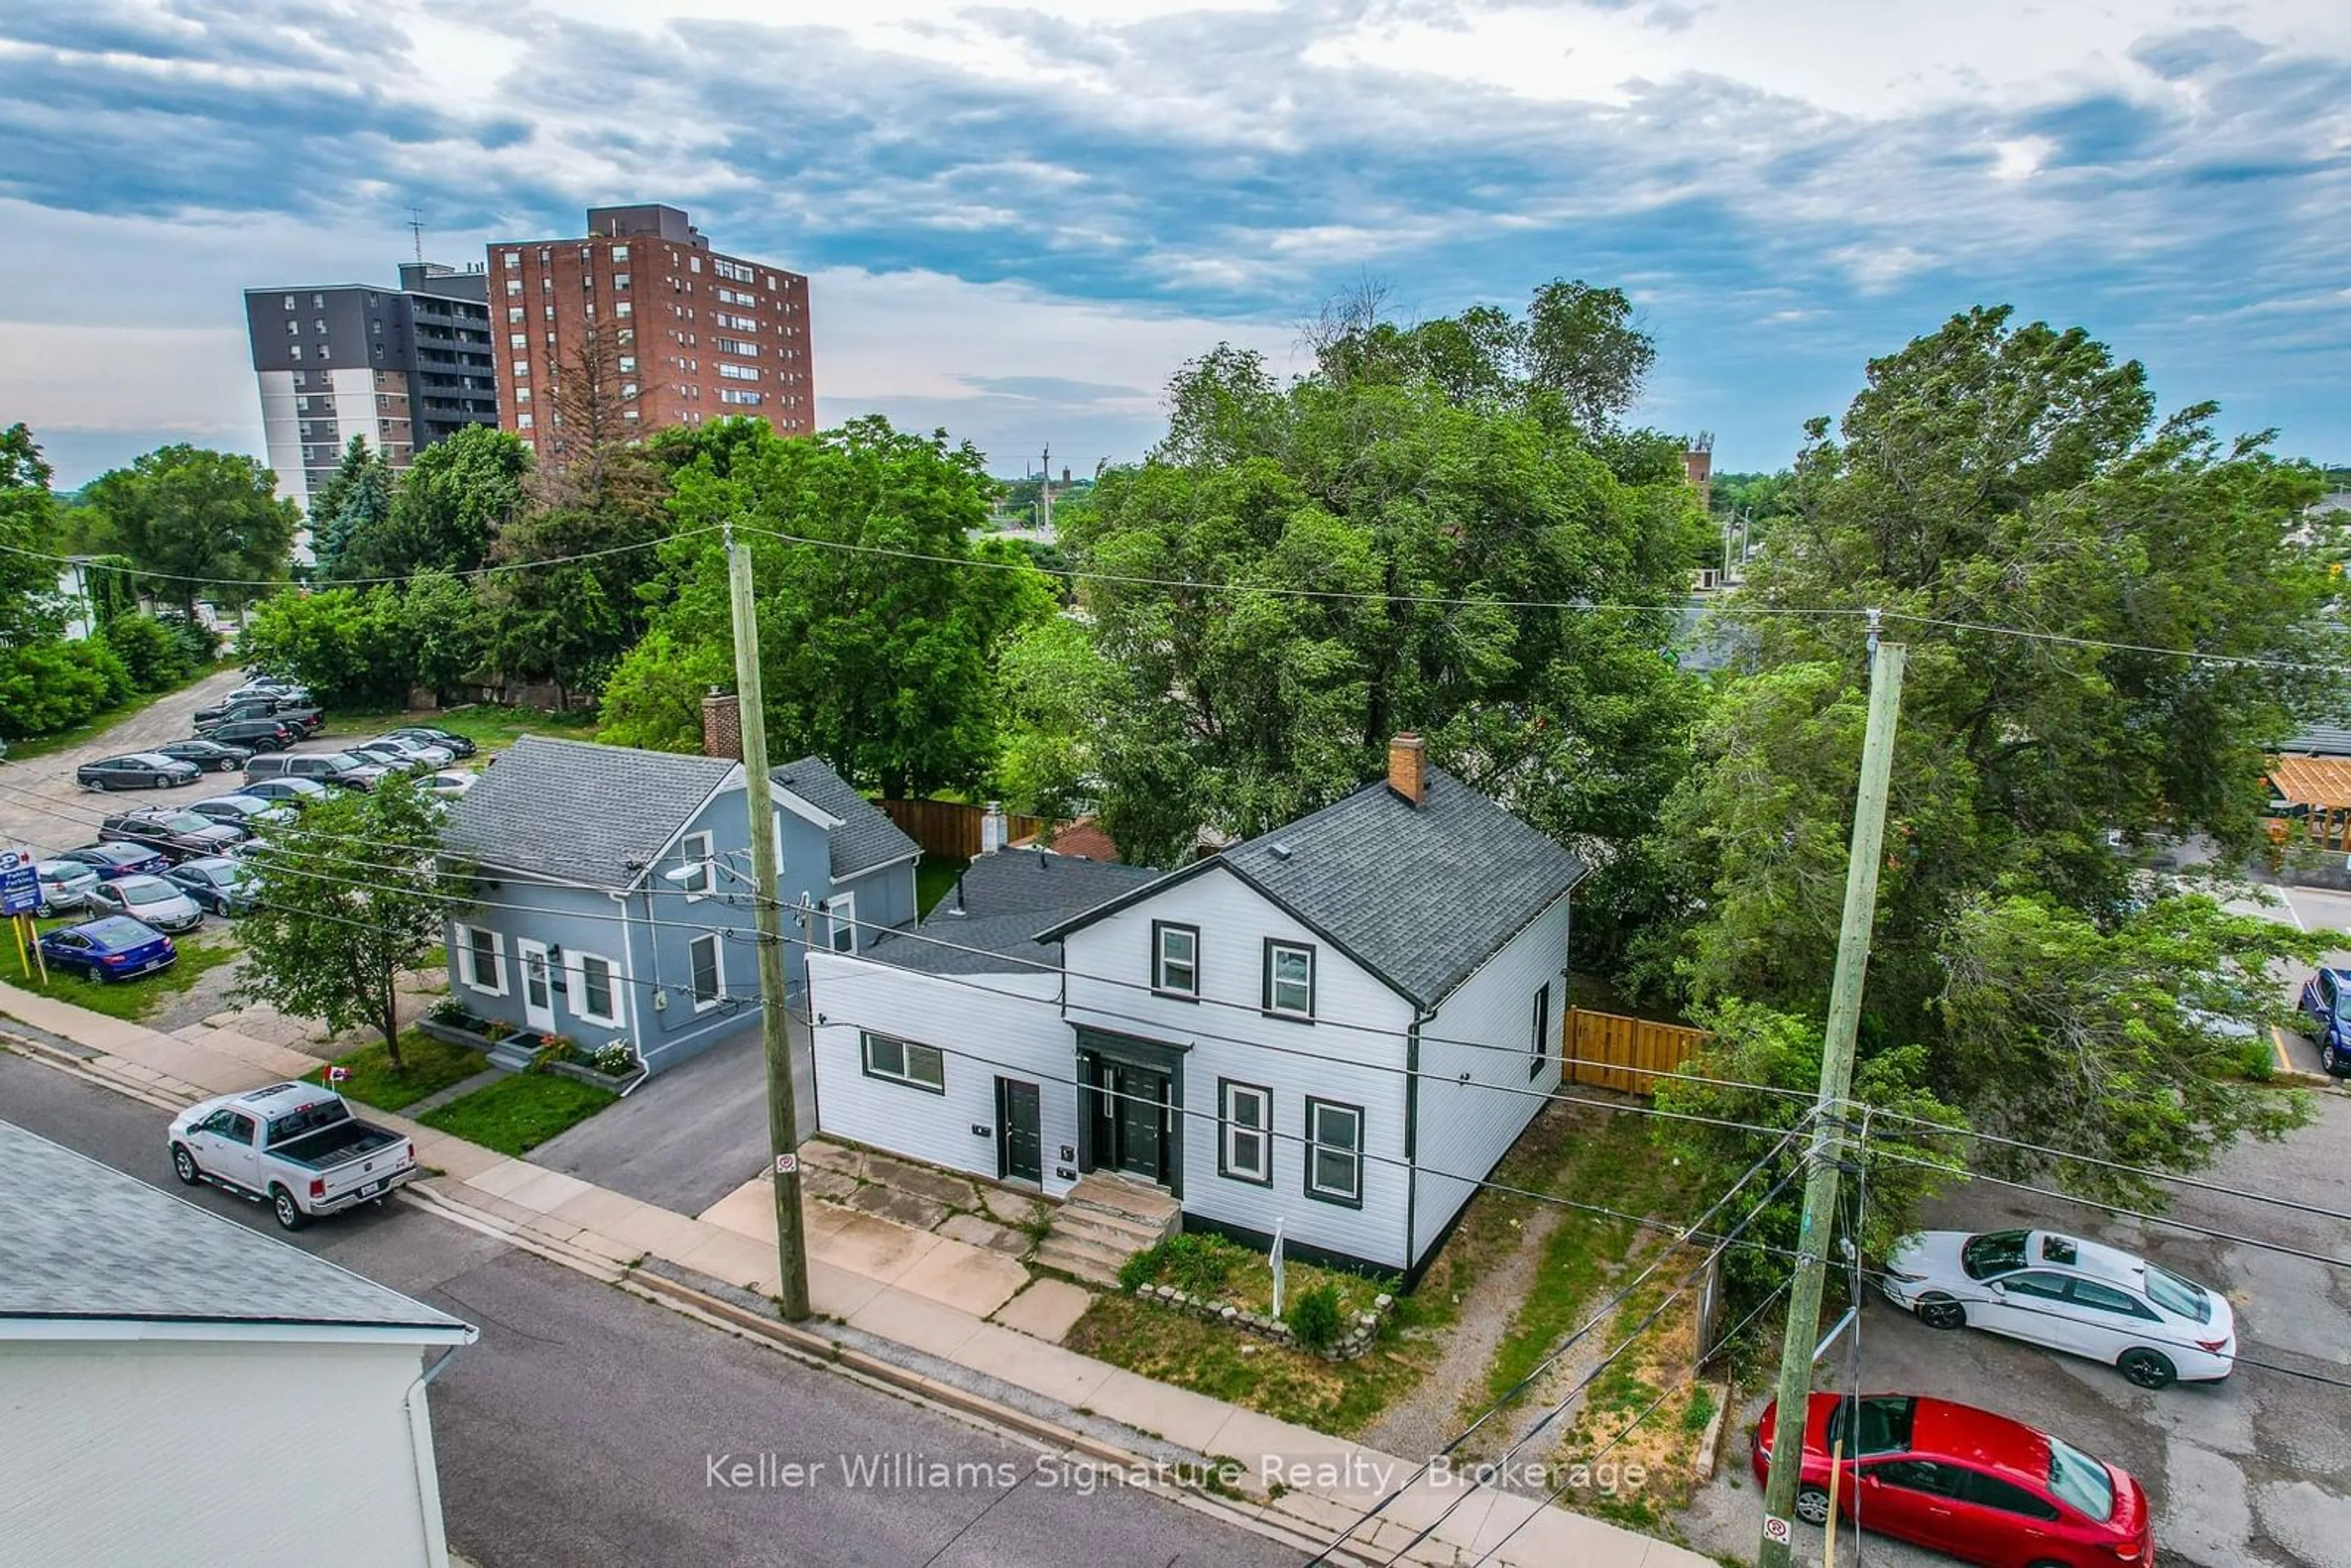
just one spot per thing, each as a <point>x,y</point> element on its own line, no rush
<point>46,687</point>
<point>450,1011</point>
<point>2257,1061</point>
<point>617,1059</point>
<point>199,645</point>
<point>1314,1317</point>
<point>156,660</point>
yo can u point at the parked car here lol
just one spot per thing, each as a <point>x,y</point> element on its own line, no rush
<point>2070,1295</point>
<point>250,812</point>
<point>115,948</point>
<point>447,785</point>
<point>425,751</point>
<point>150,900</point>
<point>390,757</point>
<point>295,1146</point>
<point>64,885</point>
<point>302,721</point>
<point>294,793</point>
<point>2326,997</point>
<point>215,884</point>
<point>285,692</point>
<point>212,756</point>
<point>1964,1482</point>
<point>139,770</point>
<point>118,858</point>
<point>454,744</point>
<point>178,834</point>
<point>319,767</point>
<point>255,734</point>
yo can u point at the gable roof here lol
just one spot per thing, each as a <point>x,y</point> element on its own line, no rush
<point>580,811</point>
<point>866,837</point>
<point>83,1244</point>
<point>1418,896</point>
<point>999,905</point>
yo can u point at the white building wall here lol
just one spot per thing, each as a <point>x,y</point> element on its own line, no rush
<point>212,1456</point>
<point>1474,1101</point>
<point>1358,1066</point>
<point>355,407</point>
<point>988,1025</point>
<point>281,431</point>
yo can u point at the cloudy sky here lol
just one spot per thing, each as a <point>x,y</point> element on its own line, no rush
<point>1020,218</point>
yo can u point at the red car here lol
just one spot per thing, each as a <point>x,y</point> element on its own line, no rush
<point>1962,1480</point>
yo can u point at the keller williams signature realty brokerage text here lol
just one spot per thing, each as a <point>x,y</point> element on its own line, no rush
<point>918,1471</point>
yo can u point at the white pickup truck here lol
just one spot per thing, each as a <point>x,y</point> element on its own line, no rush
<point>295,1146</point>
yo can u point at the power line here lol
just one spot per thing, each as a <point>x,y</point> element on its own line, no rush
<point>490,570</point>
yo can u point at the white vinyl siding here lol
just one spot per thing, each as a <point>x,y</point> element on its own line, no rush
<point>1476,1097</point>
<point>481,960</point>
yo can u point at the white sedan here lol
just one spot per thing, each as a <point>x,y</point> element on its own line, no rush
<point>2070,1295</point>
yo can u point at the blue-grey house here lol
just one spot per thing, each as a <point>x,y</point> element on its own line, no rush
<point>611,891</point>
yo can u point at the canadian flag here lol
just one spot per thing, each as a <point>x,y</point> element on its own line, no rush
<point>337,1075</point>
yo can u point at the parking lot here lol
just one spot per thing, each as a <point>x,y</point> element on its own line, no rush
<point>2256,1470</point>
<point>42,807</point>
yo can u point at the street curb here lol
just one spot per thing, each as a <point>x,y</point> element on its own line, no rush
<point>86,1070</point>
<point>1706,1444</point>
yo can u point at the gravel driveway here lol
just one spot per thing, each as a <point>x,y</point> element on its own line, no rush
<point>42,807</point>
<point>2255,1470</point>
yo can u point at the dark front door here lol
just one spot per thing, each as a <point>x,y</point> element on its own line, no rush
<point>1019,1132</point>
<point>1129,1119</point>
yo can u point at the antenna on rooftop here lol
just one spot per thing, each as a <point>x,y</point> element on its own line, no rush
<point>416,231</point>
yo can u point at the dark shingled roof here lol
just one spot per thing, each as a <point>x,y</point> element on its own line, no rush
<point>865,838</point>
<point>2319,740</point>
<point>82,1241</point>
<point>577,811</point>
<point>1420,895</point>
<point>1006,899</point>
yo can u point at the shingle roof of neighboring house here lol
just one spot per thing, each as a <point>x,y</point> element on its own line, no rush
<point>577,811</point>
<point>2319,740</point>
<point>1083,839</point>
<point>82,1241</point>
<point>865,838</point>
<point>999,906</point>
<point>1420,895</point>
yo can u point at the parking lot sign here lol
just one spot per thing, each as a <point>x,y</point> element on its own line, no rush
<point>20,885</point>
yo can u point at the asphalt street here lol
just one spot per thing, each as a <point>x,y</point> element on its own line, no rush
<point>589,1427</point>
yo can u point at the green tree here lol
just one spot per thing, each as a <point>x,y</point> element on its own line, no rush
<point>28,525</point>
<point>51,686</point>
<point>1053,688</point>
<point>206,524</point>
<point>156,660</point>
<point>450,505</point>
<point>345,898</point>
<point>356,496</point>
<point>879,651</point>
<point>334,642</point>
<point>436,628</point>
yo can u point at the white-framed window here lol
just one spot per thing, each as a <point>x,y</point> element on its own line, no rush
<point>1334,1152</point>
<point>326,351</point>
<point>695,850</point>
<point>706,965</point>
<point>903,1062</point>
<point>482,960</point>
<point>595,989</point>
<point>1245,1136</point>
<point>1539,1048</point>
<point>293,350</point>
<point>293,325</point>
<point>1289,978</point>
<point>517,340</point>
<point>514,286</point>
<point>620,253</point>
<point>522,394</point>
<point>734,372</point>
<point>522,370</point>
<point>841,922</point>
<point>1175,958</point>
<point>741,346</point>
<point>289,302</point>
<point>625,308</point>
<point>514,313</point>
<point>725,394</point>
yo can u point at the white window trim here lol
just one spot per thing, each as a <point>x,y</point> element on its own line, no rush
<point>718,967</point>
<point>689,854</point>
<point>1273,949</point>
<point>1231,1130</point>
<point>1315,1145</point>
<point>467,970</point>
<point>575,979</point>
<point>1159,961</point>
<point>840,910</point>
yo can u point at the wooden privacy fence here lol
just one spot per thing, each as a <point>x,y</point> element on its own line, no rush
<point>950,829</point>
<point>1626,1053</point>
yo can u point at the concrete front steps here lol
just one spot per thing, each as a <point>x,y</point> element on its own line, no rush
<point>1105,1220</point>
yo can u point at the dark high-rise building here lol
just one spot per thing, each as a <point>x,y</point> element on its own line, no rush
<point>404,367</point>
<point>650,326</point>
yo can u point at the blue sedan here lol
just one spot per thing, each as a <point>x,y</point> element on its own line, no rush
<point>112,949</point>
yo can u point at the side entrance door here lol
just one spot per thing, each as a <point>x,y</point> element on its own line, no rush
<point>1019,1132</point>
<point>538,987</point>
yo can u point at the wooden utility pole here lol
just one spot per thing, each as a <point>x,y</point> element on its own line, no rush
<point>1828,1143</point>
<point>767,918</point>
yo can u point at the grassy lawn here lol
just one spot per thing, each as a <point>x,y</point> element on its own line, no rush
<point>43,745</point>
<point>933,880</point>
<point>429,1066</point>
<point>520,1112</point>
<point>133,1001</point>
<point>491,728</point>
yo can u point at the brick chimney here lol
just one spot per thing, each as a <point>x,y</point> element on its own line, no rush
<point>722,725</point>
<point>1408,769</point>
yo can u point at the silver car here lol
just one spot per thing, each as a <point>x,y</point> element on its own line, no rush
<point>150,900</point>
<point>65,885</point>
<point>423,751</point>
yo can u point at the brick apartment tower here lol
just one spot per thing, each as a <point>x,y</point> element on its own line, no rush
<point>691,335</point>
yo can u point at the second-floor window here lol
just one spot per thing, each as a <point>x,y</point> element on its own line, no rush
<point>1540,1051</point>
<point>1289,978</point>
<point>695,850</point>
<point>1175,961</point>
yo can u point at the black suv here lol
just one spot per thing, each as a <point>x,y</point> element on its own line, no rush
<point>213,756</point>
<point>259,734</point>
<point>182,835</point>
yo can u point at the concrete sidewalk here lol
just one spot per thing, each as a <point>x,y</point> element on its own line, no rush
<point>944,1299</point>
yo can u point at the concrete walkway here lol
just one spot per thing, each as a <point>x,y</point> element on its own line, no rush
<point>958,1304</point>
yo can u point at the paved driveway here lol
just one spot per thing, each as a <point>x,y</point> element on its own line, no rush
<point>2306,909</point>
<point>690,1136</point>
<point>2255,1470</point>
<point>41,806</point>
